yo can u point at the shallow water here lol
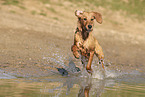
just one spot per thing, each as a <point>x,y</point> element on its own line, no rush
<point>108,83</point>
<point>125,85</point>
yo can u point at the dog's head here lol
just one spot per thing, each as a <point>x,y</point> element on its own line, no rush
<point>86,19</point>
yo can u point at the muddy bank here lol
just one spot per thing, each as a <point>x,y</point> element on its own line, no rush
<point>30,53</point>
<point>26,54</point>
<point>30,47</point>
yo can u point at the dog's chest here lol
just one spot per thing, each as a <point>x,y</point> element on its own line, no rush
<point>88,44</point>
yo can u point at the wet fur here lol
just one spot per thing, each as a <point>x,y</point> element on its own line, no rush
<point>84,43</point>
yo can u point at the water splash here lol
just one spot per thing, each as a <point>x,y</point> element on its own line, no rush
<point>62,62</point>
<point>98,72</point>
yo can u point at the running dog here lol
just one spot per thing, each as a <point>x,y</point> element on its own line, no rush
<point>84,43</point>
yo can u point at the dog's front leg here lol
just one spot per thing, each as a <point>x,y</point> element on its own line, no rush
<point>101,62</point>
<point>88,67</point>
<point>99,53</point>
<point>75,51</point>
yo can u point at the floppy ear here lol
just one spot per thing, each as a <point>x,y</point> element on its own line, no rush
<point>78,13</point>
<point>98,17</point>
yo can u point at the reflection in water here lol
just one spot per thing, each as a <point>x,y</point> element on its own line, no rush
<point>78,83</point>
<point>96,87</point>
<point>86,86</point>
<point>58,86</point>
<point>92,87</point>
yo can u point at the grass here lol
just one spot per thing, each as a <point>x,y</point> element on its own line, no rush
<point>132,7</point>
<point>135,8</point>
<point>43,13</point>
<point>12,11</point>
<point>45,1</point>
<point>14,2</point>
<point>33,12</point>
<point>55,18</point>
<point>22,7</point>
<point>11,2</point>
<point>51,9</point>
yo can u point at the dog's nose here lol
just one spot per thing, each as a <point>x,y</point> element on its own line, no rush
<point>89,26</point>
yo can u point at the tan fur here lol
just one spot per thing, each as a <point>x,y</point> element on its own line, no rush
<point>84,42</point>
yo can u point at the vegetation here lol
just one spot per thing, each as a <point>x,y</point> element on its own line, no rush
<point>11,2</point>
<point>51,9</point>
<point>130,7</point>
<point>14,2</point>
<point>33,12</point>
<point>45,1</point>
<point>43,13</point>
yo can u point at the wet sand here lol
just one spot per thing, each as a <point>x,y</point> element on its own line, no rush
<point>29,47</point>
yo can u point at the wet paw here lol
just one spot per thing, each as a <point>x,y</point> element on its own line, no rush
<point>90,71</point>
<point>77,56</point>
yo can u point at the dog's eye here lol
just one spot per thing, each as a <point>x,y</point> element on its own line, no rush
<point>85,19</point>
<point>92,19</point>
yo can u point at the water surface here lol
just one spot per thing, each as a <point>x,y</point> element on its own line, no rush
<point>126,85</point>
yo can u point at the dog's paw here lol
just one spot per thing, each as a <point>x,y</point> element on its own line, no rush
<point>77,56</point>
<point>90,72</point>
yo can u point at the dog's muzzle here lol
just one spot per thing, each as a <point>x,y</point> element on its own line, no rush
<point>89,26</point>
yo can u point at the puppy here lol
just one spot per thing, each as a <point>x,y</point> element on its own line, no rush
<point>84,43</point>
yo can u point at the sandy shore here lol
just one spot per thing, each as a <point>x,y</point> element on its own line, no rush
<point>33,46</point>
